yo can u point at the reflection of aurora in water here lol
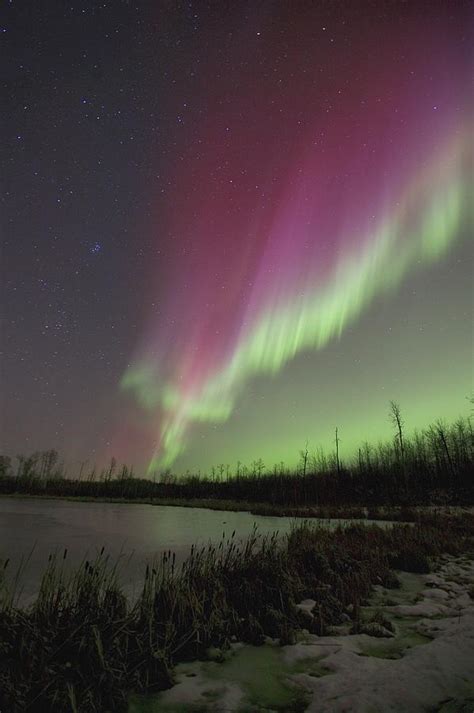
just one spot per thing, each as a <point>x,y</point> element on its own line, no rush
<point>419,230</point>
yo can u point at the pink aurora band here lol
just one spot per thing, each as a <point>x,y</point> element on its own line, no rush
<point>288,220</point>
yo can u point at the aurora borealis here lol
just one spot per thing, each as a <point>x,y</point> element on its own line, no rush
<point>287,213</point>
<point>288,318</point>
<point>344,221</point>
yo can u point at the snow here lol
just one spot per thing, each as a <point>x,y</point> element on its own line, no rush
<point>306,605</point>
<point>426,676</point>
<point>427,665</point>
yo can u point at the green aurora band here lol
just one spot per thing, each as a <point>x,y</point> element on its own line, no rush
<point>420,229</point>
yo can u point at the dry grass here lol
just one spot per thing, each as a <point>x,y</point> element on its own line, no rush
<point>82,647</point>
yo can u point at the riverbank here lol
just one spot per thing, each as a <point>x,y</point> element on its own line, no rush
<point>81,646</point>
<point>309,512</point>
<point>421,658</point>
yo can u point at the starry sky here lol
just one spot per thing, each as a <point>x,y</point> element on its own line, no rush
<point>229,227</point>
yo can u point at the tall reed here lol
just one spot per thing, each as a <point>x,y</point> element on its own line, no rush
<point>82,646</point>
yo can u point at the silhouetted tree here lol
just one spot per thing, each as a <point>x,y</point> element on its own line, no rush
<point>338,466</point>
<point>396,418</point>
<point>304,459</point>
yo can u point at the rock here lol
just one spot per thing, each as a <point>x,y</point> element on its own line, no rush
<point>371,628</point>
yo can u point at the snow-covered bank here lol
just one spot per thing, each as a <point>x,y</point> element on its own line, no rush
<point>427,664</point>
<point>364,677</point>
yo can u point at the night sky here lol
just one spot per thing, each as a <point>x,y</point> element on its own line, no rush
<point>229,227</point>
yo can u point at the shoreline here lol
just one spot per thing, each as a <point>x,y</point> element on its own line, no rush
<point>397,513</point>
<point>429,640</point>
<point>428,646</point>
<point>82,638</point>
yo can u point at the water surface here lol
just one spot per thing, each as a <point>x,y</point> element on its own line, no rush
<point>33,528</point>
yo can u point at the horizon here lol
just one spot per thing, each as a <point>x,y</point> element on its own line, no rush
<point>246,468</point>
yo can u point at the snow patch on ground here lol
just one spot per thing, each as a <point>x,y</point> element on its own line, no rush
<point>426,677</point>
<point>427,665</point>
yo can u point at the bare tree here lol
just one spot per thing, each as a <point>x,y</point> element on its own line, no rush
<point>304,459</point>
<point>441,430</point>
<point>167,477</point>
<point>337,441</point>
<point>83,464</point>
<point>397,420</point>
<point>111,470</point>
<point>258,466</point>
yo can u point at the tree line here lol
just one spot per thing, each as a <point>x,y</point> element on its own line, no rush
<point>431,465</point>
